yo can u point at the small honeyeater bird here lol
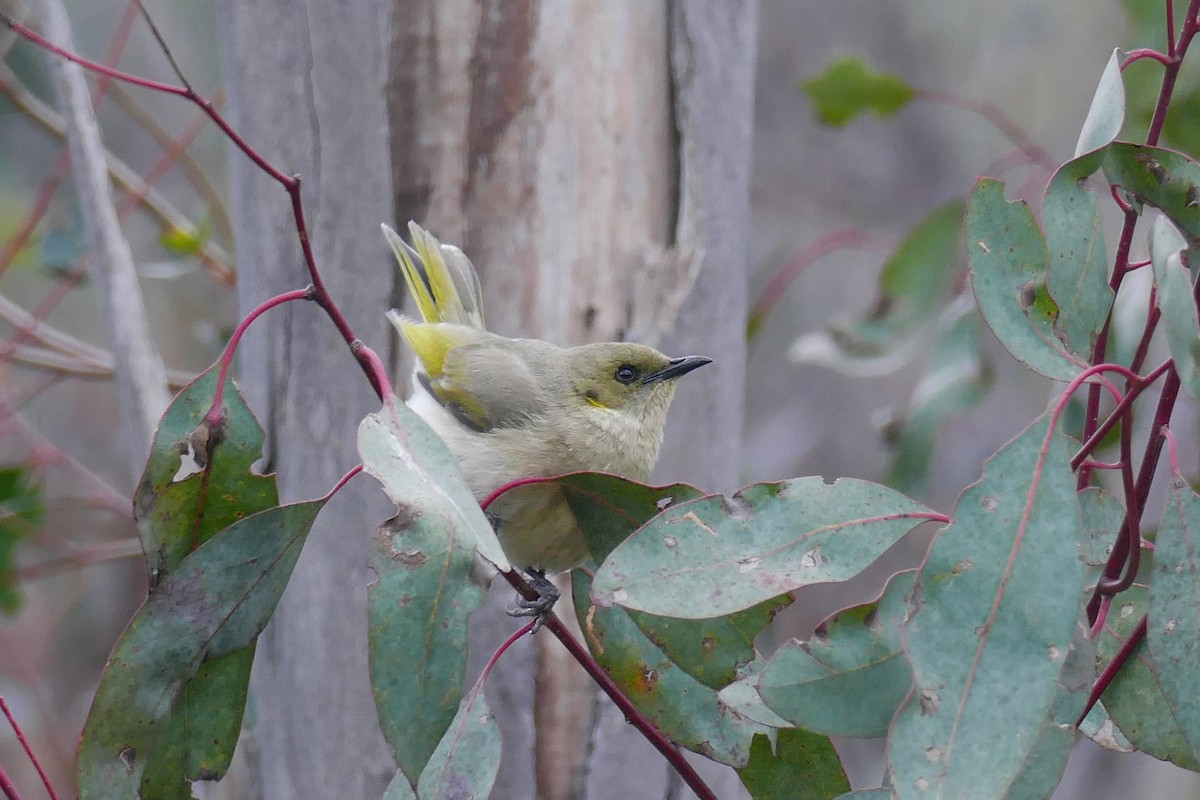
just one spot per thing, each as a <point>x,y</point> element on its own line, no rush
<point>518,408</point>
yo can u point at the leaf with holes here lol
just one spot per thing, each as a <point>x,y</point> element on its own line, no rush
<point>1165,179</point>
<point>851,676</point>
<point>994,607</point>
<point>199,480</point>
<point>717,555</point>
<point>423,594</point>
<point>215,602</point>
<point>1008,259</point>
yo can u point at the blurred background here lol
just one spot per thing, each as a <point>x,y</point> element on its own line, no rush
<point>1035,63</point>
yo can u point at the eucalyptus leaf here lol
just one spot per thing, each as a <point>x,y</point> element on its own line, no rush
<point>913,286</point>
<point>717,555</point>
<point>1173,632</point>
<point>1106,115</point>
<point>800,766</point>
<point>683,708</point>
<point>1077,276</point>
<point>851,676</point>
<point>467,759</point>
<point>1165,179</point>
<point>1177,302</point>
<point>994,607</point>
<point>199,480</point>
<point>419,605</point>
<point>1009,259</point>
<point>1135,699</point>
<point>214,603</point>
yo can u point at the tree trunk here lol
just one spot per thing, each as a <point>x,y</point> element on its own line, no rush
<point>593,160</point>
<point>306,88</point>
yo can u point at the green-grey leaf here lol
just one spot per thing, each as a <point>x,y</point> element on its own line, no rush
<point>848,88</point>
<point>404,454</point>
<point>1077,277</point>
<point>717,555</point>
<point>215,602</point>
<point>423,595</point>
<point>1008,259</point>
<point>1177,302</point>
<point>1100,728</point>
<point>1165,179</point>
<point>867,794</point>
<point>851,676</point>
<point>1107,112</point>
<point>1135,698</point>
<point>467,759</point>
<point>1173,632</point>
<point>1047,759</point>
<point>742,697</point>
<point>399,788</point>
<point>198,481</point>
<point>995,606</point>
<point>683,708</point>
<point>802,766</point>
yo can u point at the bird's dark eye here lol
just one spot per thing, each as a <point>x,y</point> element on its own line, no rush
<point>626,374</point>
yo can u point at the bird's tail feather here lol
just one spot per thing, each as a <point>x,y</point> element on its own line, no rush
<point>440,277</point>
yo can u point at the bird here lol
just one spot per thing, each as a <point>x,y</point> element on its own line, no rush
<point>510,409</point>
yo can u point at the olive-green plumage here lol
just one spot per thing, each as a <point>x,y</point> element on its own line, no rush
<point>518,408</point>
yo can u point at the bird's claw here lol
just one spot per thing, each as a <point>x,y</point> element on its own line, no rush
<point>548,595</point>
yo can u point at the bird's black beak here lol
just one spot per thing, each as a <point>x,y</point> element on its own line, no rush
<point>676,367</point>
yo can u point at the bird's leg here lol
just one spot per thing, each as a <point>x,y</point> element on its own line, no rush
<point>548,595</point>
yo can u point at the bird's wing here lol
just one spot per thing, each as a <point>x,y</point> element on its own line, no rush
<point>487,385</point>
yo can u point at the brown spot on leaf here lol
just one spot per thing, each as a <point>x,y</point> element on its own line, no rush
<point>930,702</point>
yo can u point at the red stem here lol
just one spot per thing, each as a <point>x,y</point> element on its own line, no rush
<point>1113,667</point>
<point>9,789</point>
<point>994,115</point>
<point>771,293</point>
<point>6,786</point>
<point>213,417</point>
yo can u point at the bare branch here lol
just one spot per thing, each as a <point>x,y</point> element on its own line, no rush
<point>216,260</point>
<point>141,378</point>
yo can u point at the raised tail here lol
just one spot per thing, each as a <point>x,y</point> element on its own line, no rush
<point>440,278</point>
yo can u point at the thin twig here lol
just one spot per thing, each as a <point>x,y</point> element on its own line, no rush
<point>28,750</point>
<point>222,225</point>
<point>215,259</point>
<point>141,377</point>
